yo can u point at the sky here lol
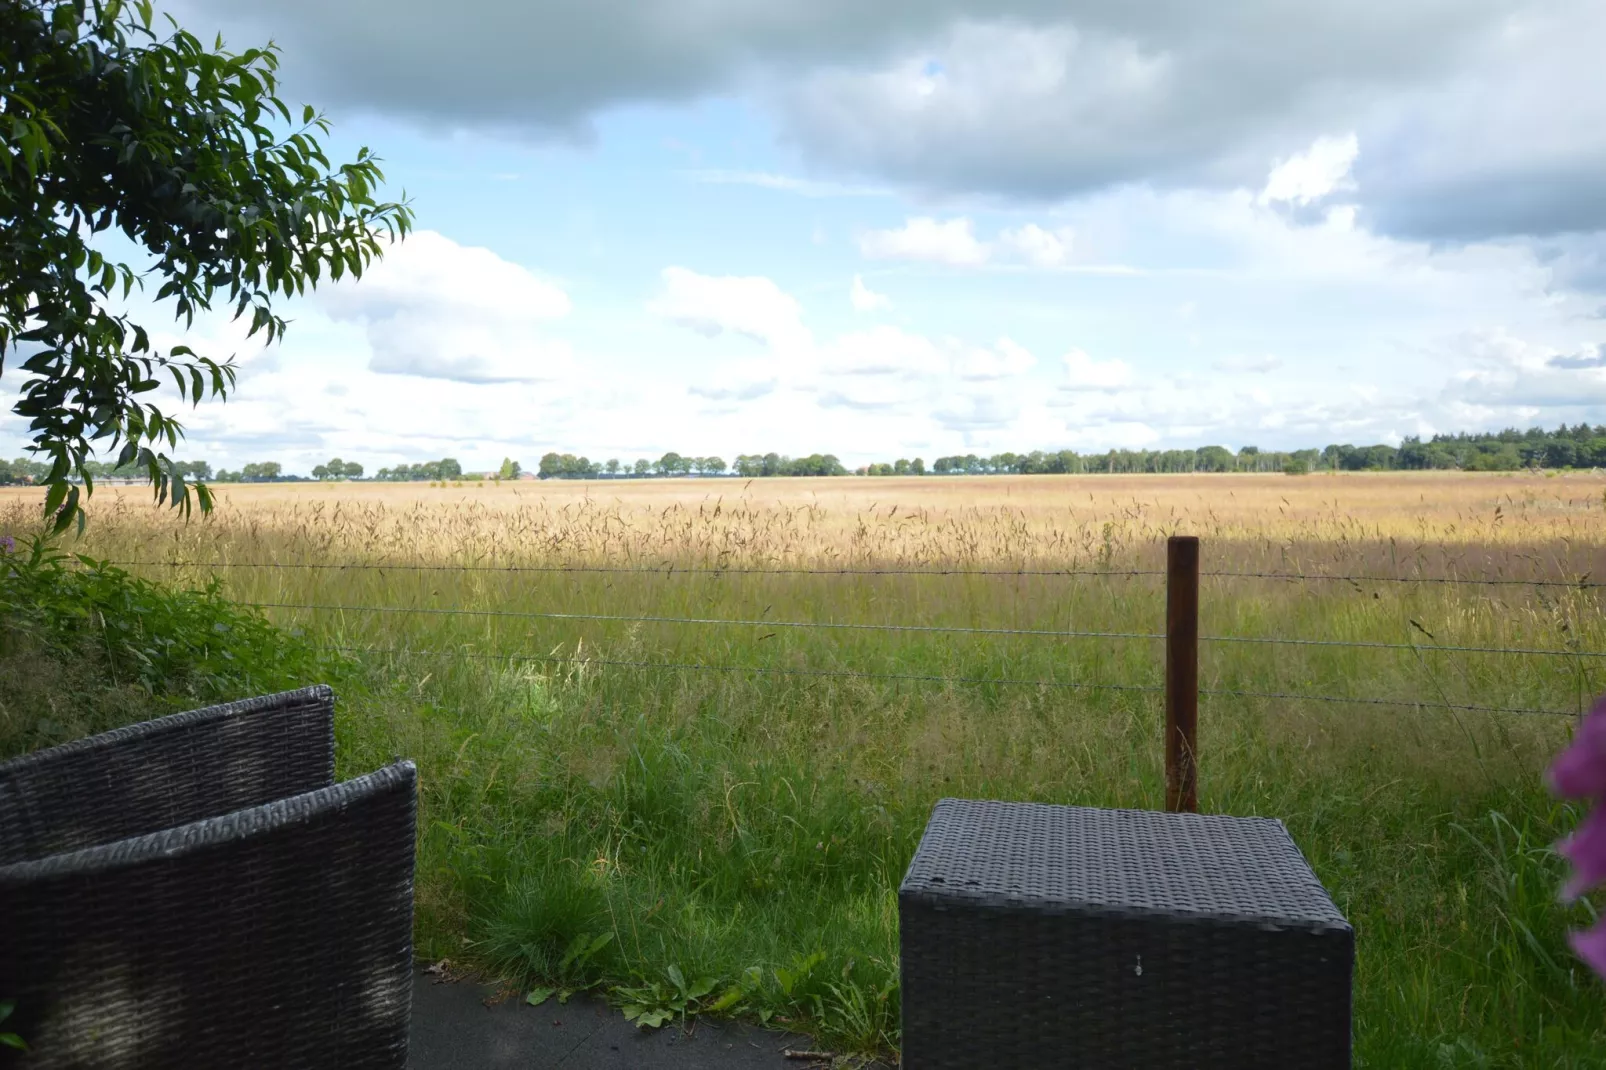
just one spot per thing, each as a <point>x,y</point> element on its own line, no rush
<point>927,227</point>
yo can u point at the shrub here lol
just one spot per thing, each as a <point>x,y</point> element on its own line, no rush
<point>85,646</point>
<point>1296,468</point>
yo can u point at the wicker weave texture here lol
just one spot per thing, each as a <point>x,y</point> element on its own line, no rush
<point>1049,936</point>
<point>275,936</point>
<point>164,773</point>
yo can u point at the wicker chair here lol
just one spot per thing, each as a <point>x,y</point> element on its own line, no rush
<point>197,891</point>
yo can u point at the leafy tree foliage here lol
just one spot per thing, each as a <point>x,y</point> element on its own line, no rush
<point>429,471</point>
<point>22,472</point>
<point>753,465</point>
<point>337,469</point>
<point>109,120</point>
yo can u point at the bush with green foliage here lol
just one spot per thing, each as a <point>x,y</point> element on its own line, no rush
<point>85,646</point>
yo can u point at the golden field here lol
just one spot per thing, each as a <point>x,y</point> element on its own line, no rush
<point>1550,523</point>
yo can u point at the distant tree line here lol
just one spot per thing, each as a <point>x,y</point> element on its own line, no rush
<point>1582,446</point>
<point>337,470</point>
<point>22,471</point>
<point>427,472</point>
<point>747,466</point>
<point>568,466</point>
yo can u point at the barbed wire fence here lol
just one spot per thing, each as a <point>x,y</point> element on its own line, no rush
<point>670,569</point>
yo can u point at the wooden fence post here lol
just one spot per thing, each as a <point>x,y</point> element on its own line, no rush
<point>1182,674</point>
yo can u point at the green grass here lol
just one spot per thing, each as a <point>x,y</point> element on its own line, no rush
<point>587,824</point>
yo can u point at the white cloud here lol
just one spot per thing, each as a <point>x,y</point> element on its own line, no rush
<point>803,187</point>
<point>1085,373</point>
<point>865,299</point>
<point>1036,246</point>
<point>747,305</point>
<point>1005,360</point>
<point>926,239</point>
<point>954,242</point>
<point>881,351</point>
<point>1309,176</point>
<point>439,310</point>
<point>1252,365</point>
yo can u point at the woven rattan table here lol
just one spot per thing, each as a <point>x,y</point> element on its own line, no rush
<point>1059,936</point>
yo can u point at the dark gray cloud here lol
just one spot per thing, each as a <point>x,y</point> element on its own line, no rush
<point>1476,118</point>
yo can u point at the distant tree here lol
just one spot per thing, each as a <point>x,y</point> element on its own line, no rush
<point>450,469</point>
<point>262,472</point>
<point>612,466</point>
<point>353,470</point>
<point>714,466</point>
<point>642,466</point>
<point>510,469</point>
<point>671,464</point>
<point>917,467</point>
<point>320,471</point>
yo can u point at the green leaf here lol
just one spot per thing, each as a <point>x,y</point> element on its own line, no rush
<point>539,996</point>
<point>728,999</point>
<point>647,1017</point>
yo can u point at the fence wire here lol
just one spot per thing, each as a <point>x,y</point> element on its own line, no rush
<point>1041,633</point>
<point>1582,583</point>
<point>839,674</point>
<point>668,570</point>
<point>710,621</point>
<point>1414,703</point>
<point>846,674</point>
<point>661,570</point>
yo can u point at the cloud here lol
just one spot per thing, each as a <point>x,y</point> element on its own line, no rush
<point>1479,117</point>
<point>1312,175</point>
<point>865,299</point>
<point>752,306</point>
<point>926,239</point>
<point>738,381</point>
<point>881,351</point>
<point>954,242</point>
<point>439,310</point>
<point>1088,374</point>
<point>803,187</point>
<point>1036,246</point>
<point>1004,360</point>
<point>1251,365</point>
<point>1589,358</point>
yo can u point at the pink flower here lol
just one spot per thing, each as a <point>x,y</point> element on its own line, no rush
<point>1579,772</point>
<point>1590,945</point>
<point>1586,850</point>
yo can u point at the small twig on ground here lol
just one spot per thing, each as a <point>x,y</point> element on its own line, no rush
<point>816,1056</point>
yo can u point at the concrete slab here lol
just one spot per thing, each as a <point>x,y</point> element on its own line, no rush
<point>462,1025</point>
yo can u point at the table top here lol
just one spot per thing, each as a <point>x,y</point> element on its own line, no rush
<point>1080,859</point>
